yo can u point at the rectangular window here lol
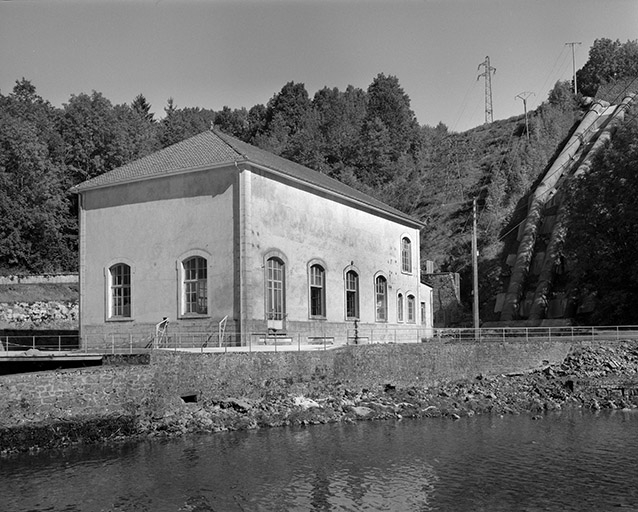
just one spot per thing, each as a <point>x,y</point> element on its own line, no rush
<point>120,291</point>
<point>352,295</point>
<point>381,287</point>
<point>411,309</point>
<point>317,292</point>
<point>406,255</point>
<point>195,286</point>
<point>274,289</point>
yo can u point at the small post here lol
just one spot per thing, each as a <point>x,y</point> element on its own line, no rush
<point>59,343</point>
<point>33,342</point>
<point>130,343</point>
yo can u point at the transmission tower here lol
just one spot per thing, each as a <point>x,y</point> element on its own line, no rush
<point>489,116</point>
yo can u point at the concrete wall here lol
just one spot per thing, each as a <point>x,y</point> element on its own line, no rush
<point>29,398</point>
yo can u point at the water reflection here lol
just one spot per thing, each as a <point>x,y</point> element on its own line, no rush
<point>573,461</point>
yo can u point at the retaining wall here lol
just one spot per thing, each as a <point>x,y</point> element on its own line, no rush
<point>151,389</point>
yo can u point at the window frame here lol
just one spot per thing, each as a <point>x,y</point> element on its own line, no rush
<point>351,292</point>
<point>184,282</point>
<point>411,308</point>
<point>400,307</point>
<point>315,289</point>
<point>406,255</point>
<point>111,315</point>
<point>383,306</point>
<point>270,292</point>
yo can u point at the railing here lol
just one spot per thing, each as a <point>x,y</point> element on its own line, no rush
<point>43,342</point>
<point>228,341</point>
<point>526,334</point>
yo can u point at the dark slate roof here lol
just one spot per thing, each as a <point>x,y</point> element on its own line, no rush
<point>213,148</point>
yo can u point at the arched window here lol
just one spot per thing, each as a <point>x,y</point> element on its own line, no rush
<point>195,286</point>
<point>400,307</point>
<point>381,292</point>
<point>275,288</point>
<point>352,295</point>
<point>406,255</point>
<point>120,291</point>
<point>317,291</point>
<point>411,309</point>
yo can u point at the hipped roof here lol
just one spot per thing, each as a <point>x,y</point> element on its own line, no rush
<point>214,149</point>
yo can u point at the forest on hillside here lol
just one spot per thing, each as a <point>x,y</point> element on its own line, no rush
<point>369,139</point>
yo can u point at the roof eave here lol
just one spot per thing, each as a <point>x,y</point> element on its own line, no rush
<point>77,189</point>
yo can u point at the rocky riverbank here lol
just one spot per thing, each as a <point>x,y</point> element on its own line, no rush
<point>593,377</point>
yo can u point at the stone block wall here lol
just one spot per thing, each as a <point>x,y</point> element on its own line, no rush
<point>154,388</point>
<point>70,394</point>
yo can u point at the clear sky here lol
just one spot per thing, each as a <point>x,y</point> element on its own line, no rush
<point>212,53</point>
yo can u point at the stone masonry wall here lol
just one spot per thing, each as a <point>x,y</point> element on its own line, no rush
<point>153,389</point>
<point>34,315</point>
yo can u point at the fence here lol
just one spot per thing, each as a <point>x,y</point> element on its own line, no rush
<point>269,342</point>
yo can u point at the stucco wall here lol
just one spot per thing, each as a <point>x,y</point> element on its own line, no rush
<point>306,227</point>
<point>228,214</point>
<point>150,226</point>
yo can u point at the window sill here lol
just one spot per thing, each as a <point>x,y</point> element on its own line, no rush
<point>120,319</point>
<point>192,316</point>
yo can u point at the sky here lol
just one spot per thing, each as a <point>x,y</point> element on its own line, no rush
<point>239,53</point>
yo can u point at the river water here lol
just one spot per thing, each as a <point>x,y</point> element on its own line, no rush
<point>569,461</point>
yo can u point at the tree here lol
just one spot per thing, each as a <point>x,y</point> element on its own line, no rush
<point>180,124</point>
<point>286,115</point>
<point>389,133</point>
<point>142,107</point>
<point>233,122</point>
<point>608,60</point>
<point>37,232</point>
<point>602,240</point>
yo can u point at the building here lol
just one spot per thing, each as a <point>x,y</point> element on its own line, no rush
<point>213,229</point>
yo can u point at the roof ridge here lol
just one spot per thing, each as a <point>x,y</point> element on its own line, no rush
<point>212,148</point>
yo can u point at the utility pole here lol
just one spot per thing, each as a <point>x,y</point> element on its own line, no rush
<point>523,96</point>
<point>475,309</point>
<point>574,63</point>
<point>489,115</point>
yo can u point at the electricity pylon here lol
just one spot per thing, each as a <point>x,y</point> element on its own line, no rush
<point>489,115</point>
